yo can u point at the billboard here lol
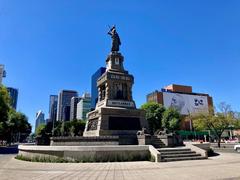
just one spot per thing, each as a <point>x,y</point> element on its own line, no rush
<point>185,103</point>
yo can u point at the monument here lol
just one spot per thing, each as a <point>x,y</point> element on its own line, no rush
<point>115,113</point>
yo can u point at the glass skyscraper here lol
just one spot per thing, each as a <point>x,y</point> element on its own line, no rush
<point>94,90</point>
<point>53,108</point>
<point>64,103</point>
<point>13,93</point>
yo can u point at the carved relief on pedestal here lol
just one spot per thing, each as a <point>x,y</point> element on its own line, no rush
<point>92,124</point>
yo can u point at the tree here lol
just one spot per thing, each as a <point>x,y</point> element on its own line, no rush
<point>14,125</point>
<point>154,113</point>
<point>216,122</point>
<point>18,126</point>
<point>77,127</point>
<point>4,109</point>
<point>57,128</point>
<point>31,137</point>
<point>65,129</point>
<point>4,104</point>
<point>171,119</point>
<point>41,130</point>
<point>42,137</point>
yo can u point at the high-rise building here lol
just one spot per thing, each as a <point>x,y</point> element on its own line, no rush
<point>64,103</point>
<point>94,89</point>
<point>13,93</point>
<point>53,108</point>
<point>73,108</point>
<point>84,106</point>
<point>2,73</point>
<point>39,119</point>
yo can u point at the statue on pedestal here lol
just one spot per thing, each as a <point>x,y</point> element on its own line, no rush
<point>115,39</point>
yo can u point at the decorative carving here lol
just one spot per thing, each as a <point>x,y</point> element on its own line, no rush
<point>93,115</point>
<point>92,124</point>
<point>142,132</point>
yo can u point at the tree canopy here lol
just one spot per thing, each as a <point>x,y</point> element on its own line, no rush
<point>4,109</point>
<point>217,121</point>
<point>160,118</point>
<point>154,113</point>
<point>14,126</point>
<point>171,119</point>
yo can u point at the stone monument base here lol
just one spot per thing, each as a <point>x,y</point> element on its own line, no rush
<point>94,140</point>
<point>115,121</point>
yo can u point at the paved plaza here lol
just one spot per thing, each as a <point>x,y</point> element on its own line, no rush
<point>224,166</point>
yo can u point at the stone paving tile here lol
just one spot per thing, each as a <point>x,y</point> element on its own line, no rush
<point>225,166</point>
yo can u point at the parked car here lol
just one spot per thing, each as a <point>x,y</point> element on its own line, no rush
<point>237,148</point>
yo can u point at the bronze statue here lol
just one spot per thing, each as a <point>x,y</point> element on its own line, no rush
<point>115,39</point>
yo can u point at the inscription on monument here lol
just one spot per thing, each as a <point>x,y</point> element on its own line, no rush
<point>118,77</point>
<point>120,103</point>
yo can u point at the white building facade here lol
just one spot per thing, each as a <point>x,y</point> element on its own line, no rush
<point>2,73</point>
<point>84,106</point>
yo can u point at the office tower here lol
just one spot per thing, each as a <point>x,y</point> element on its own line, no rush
<point>94,89</point>
<point>66,113</point>
<point>2,73</point>
<point>73,108</point>
<point>53,108</point>
<point>39,119</point>
<point>64,100</point>
<point>13,93</point>
<point>84,106</point>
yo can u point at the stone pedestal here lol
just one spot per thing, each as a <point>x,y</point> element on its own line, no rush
<point>144,139</point>
<point>107,121</point>
<point>115,113</point>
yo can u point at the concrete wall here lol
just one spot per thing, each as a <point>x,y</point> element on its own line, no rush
<point>86,153</point>
<point>200,148</point>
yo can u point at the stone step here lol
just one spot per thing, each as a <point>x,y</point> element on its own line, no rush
<point>177,152</point>
<point>183,158</point>
<point>159,145</point>
<point>173,149</point>
<point>179,155</point>
<point>156,139</point>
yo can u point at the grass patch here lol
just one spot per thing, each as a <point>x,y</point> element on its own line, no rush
<point>42,159</point>
<point>121,157</point>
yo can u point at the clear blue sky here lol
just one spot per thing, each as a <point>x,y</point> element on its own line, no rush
<point>48,46</point>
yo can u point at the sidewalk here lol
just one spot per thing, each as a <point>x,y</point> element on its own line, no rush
<point>224,166</point>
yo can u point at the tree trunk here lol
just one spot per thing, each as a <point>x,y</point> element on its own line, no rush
<point>219,142</point>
